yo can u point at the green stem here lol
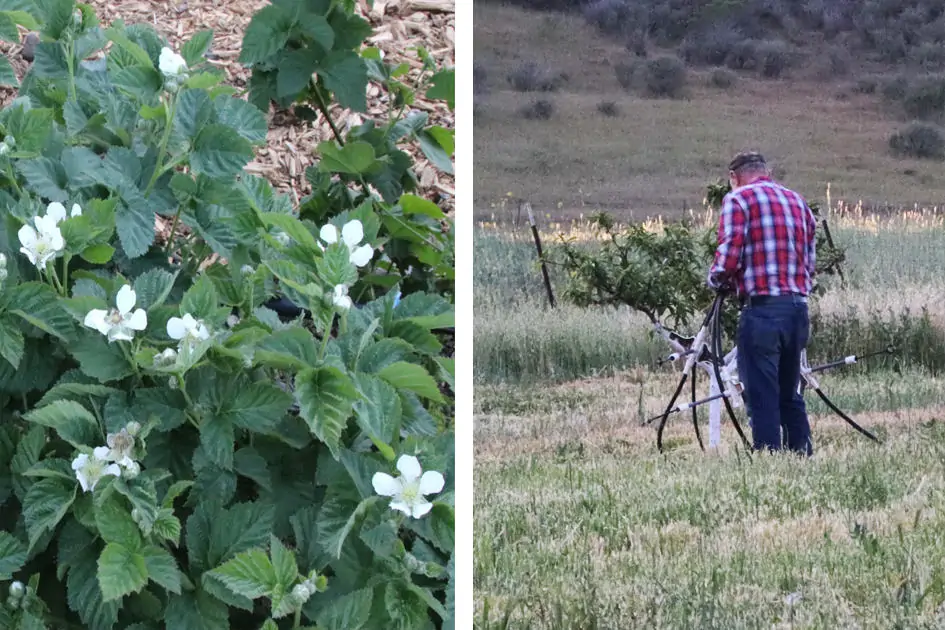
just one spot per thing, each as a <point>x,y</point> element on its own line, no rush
<point>325,338</point>
<point>65,273</point>
<point>323,108</point>
<point>70,61</point>
<point>168,126</point>
<point>130,358</point>
<point>52,275</point>
<point>16,186</point>
<point>183,389</point>
<point>343,324</point>
<point>298,619</point>
<point>170,239</point>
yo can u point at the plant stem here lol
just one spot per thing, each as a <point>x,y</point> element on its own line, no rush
<point>170,239</point>
<point>168,125</point>
<point>70,61</point>
<point>323,108</point>
<point>325,338</point>
<point>16,186</point>
<point>65,274</point>
<point>51,273</point>
<point>298,619</point>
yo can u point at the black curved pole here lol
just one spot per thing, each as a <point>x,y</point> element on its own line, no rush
<point>669,407</point>
<point>847,418</point>
<point>717,343</point>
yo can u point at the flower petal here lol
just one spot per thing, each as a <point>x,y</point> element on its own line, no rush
<point>76,210</point>
<point>101,452</point>
<point>56,242</point>
<point>56,211</point>
<point>362,255</point>
<point>29,254</point>
<point>112,469</point>
<point>409,467</point>
<point>328,233</point>
<point>400,505</point>
<point>125,300</point>
<point>420,509</point>
<point>80,461</point>
<point>46,225</point>
<point>28,237</point>
<point>120,332</point>
<point>83,481</point>
<point>138,320</point>
<point>431,482</point>
<point>176,328</point>
<point>352,233</point>
<point>96,318</point>
<point>385,485</point>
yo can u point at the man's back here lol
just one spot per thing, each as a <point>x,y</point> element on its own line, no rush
<point>770,230</point>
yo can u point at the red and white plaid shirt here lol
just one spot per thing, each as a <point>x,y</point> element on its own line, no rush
<point>766,241</point>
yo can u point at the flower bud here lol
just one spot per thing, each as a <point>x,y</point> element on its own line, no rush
<point>10,141</point>
<point>130,470</point>
<point>77,17</point>
<point>133,427</point>
<point>301,593</point>
<point>17,590</point>
<point>247,270</point>
<point>4,149</point>
<point>232,321</point>
<point>172,383</point>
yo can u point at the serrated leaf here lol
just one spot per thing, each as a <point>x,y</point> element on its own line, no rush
<point>432,147</point>
<point>7,74</point>
<point>220,152</point>
<point>64,391</point>
<point>194,112</point>
<point>134,221</point>
<point>355,158</point>
<point>13,554</point>
<point>241,527</point>
<point>45,177</point>
<point>345,74</point>
<point>217,438</point>
<point>11,341</point>
<point>326,398</point>
<point>350,611</point>
<point>196,47</point>
<point>99,359</point>
<point>167,526</point>
<point>265,35</point>
<point>294,228</point>
<point>141,82</point>
<point>84,594</point>
<point>137,52</point>
<point>115,525</point>
<point>196,611</point>
<point>285,569</point>
<point>377,356</point>
<point>98,254</point>
<point>295,71</point>
<point>46,503</point>
<point>413,378</point>
<point>444,87</point>
<point>257,406</point>
<point>152,288</point>
<point>337,519</point>
<point>404,606</point>
<point>200,300</point>
<point>120,572</point>
<point>249,574</point>
<point>243,117</point>
<point>162,568</point>
<point>294,348</point>
<point>413,204</point>
<point>378,412</point>
<point>73,422</point>
<point>38,304</point>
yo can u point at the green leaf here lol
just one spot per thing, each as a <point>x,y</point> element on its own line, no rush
<point>64,391</point>
<point>196,47</point>
<point>217,438</point>
<point>167,526</point>
<point>257,406</point>
<point>326,398</point>
<point>73,422</point>
<point>295,71</point>
<point>120,572</point>
<point>84,594</point>
<point>284,566</point>
<point>355,158</point>
<point>13,554</point>
<point>249,463</point>
<point>345,74</point>
<point>406,608</point>
<point>98,254</point>
<point>245,118</point>
<point>8,30</point>
<point>162,568</point>
<point>434,147</point>
<point>200,300</point>
<point>134,221</point>
<point>444,87</point>
<point>38,304</point>
<point>136,51</point>
<point>413,204</point>
<point>412,377</point>
<point>290,348</point>
<point>377,356</point>
<point>336,520</point>
<point>194,112</point>
<point>220,152</point>
<point>11,341</point>
<point>7,75</point>
<point>31,130</point>
<point>266,34</point>
<point>294,228</point>
<point>379,412</point>
<point>152,288</point>
<point>46,503</point>
<point>196,611</point>
<point>115,525</point>
<point>249,574</point>
<point>99,359</point>
<point>140,82</point>
<point>350,611</point>
<point>45,177</point>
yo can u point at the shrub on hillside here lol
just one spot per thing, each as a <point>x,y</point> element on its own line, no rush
<point>615,17</point>
<point>530,77</point>
<point>608,108</point>
<point>743,55</point>
<point>895,88</point>
<point>665,77</point>
<point>929,56</point>
<point>773,58</point>
<point>628,74</point>
<point>919,140</point>
<point>711,46</point>
<point>542,109</point>
<point>865,85</point>
<point>722,78</point>
<point>925,99</point>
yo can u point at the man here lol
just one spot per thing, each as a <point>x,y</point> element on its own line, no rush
<point>766,253</point>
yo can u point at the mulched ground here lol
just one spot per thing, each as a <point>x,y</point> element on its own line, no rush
<point>400,26</point>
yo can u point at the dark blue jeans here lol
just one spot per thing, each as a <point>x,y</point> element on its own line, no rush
<point>771,334</point>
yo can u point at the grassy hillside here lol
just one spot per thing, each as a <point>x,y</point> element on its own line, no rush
<point>648,155</point>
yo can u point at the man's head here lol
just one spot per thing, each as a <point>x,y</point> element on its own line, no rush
<point>745,168</point>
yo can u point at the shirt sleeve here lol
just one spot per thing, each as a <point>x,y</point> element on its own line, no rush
<point>733,225</point>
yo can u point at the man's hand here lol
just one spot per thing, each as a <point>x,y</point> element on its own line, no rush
<point>720,284</point>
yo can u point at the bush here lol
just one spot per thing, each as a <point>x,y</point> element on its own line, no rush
<point>710,47</point>
<point>929,56</point>
<point>895,88</point>
<point>919,140</point>
<point>628,74</point>
<point>530,77</point>
<point>541,109</point>
<point>743,55</point>
<point>925,99</point>
<point>866,85</point>
<point>665,77</point>
<point>773,58</point>
<point>722,78</point>
<point>173,453</point>
<point>608,108</point>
